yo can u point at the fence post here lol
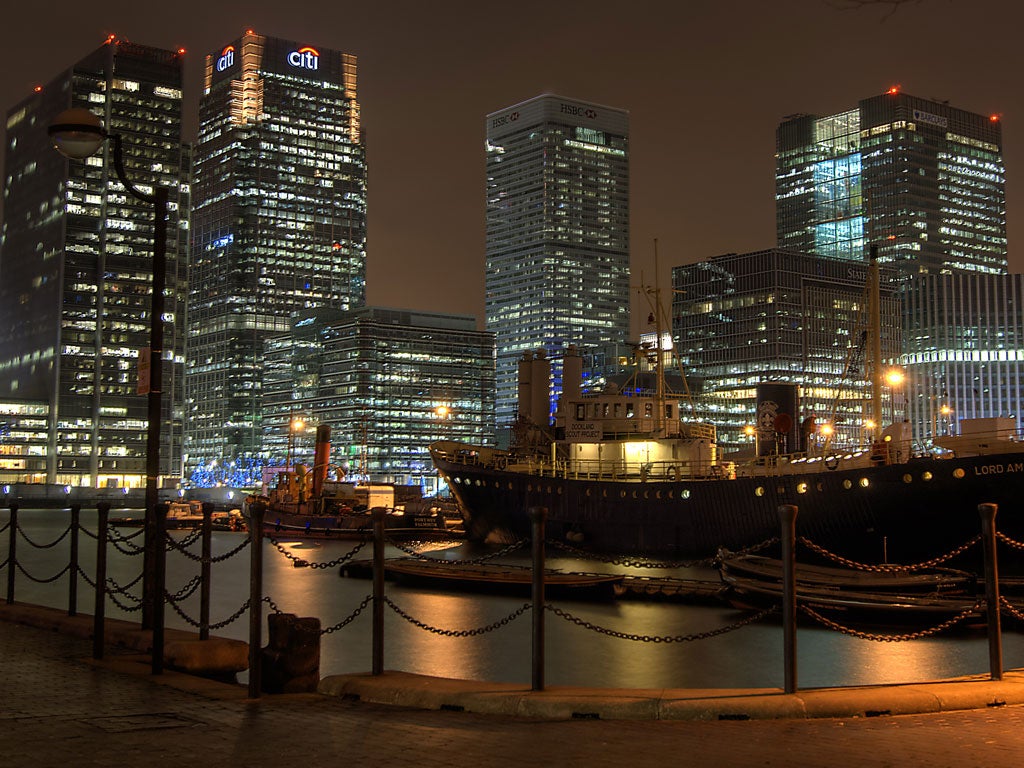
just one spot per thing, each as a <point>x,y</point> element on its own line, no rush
<point>204,572</point>
<point>256,512</point>
<point>159,585</point>
<point>98,623</point>
<point>787,517</point>
<point>538,515</point>
<point>995,634</point>
<point>73,567</point>
<point>12,552</point>
<point>378,590</point>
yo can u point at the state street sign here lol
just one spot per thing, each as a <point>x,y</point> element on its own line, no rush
<point>142,386</point>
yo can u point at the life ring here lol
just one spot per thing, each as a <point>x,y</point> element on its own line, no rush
<point>834,462</point>
<point>672,473</point>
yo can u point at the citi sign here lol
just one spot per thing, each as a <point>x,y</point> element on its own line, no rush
<point>227,58</point>
<point>305,58</point>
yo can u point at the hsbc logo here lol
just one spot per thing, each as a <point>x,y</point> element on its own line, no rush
<point>576,111</point>
<point>511,117</point>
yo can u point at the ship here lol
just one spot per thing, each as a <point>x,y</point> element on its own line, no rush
<point>622,473</point>
<point>307,502</point>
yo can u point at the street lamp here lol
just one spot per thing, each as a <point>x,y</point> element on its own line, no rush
<point>894,378</point>
<point>294,425</point>
<point>78,134</point>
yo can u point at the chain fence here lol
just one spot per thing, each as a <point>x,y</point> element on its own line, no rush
<point>30,577</point>
<point>891,638</point>
<point>1013,543</point>
<point>300,562</point>
<point>52,544</point>
<point>413,552</point>
<point>749,619</point>
<point>889,567</point>
<point>459,632</point>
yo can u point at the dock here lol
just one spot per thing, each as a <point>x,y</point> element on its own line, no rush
<point>500,578</point>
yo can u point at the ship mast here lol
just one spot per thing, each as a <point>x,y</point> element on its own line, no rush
<point>875,319</point>
<point>659,359</point>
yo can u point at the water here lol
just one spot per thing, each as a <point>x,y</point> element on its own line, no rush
<point>749,657</point>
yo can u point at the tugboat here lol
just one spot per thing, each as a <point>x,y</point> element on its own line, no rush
<point>623,474</point>
<point>303,502</point>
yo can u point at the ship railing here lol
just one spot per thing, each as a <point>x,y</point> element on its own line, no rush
<point>639,472</point>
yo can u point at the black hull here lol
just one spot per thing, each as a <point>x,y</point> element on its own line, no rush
<point>902,513</point>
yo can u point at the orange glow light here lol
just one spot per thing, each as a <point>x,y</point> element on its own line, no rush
<point>38,89</point>
<point>181,51</point>
<point>227,50</point>
<point>893,90</point>
<point>249,32</point>
<point>994,118</point>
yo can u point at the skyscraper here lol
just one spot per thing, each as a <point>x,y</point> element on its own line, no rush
<point>557,232</point>
<point>279,222</point>
<point>76,266</point>
<point>922,180</point>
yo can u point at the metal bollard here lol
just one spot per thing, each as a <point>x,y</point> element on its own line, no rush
<point>98,623</point>
<point>256,513</point>
<point>12,552</point>
<point>539,516</point>
<point>378,590</point>
<point>159,586</point>
<point>73,566</point>
<point>204,572</point>
<point>787,517</point>
<point>992,605</point>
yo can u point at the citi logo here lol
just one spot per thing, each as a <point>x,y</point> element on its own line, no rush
<point>305,58</point>
<point>227,58</point>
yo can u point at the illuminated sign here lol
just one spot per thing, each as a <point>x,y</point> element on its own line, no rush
<point>227,58</point>
<point>926,117</point>
<point>305,58</point>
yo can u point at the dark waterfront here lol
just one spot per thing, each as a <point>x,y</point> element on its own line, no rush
<point>749,657</point>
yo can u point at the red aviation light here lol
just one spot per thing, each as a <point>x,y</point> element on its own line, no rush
<point>38,89</point>
<point>181,51</point>
<point>994,118</point>
<point>893,90</point>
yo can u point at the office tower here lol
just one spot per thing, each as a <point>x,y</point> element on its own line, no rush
<point>780,316</point>
<point>922,180</point>
<point>279,223</point>
<point>76,266</point>
<point>557,233</point>
<point>963,350</point>
<point>387,381</point>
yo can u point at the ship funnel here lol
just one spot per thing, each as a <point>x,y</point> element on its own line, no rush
<point>540,406</point>
<point>321,457</point>
<point>776,427</point>
<point>572,374</point>
<point>525,386</point>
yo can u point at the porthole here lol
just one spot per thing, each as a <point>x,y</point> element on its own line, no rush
<point>864,482</point>
<point>759,491</point>
<point>908,478</point>
<point>588,491</point>
<point>635,495</point>
<point>847,484</point>
<point>671,494</point>
<point>647,495</point>
<point>959,473</point>
<point>559,490</point>
<point>926,476</point>
<point>657,494</point>
<point>685,493</point>
<point>801,487</point>
<point>529,488</point>
<point>458,480</point>
<point>510,486</point>
<point>820,486</point>
<point>622,494</point>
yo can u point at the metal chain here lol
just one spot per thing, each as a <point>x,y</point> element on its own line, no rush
<point>4,564</point>
<point>53,578</point>
<point>272,604</point>
<point>6,526</point>
<point>475,561</point>
<point>459,632</point>
<point>882,638</point>
<point>87,532</point>
<point>114,588</point>
<point>219,625</point>
<point>660,638</point>
<point>180,546</point>
<point>190,539</point>
<point>350,618</point>
<point>122,606</point>
<point>130,584</point>
<point>53,543</point>
<point>301,562</point>
<point>1007,540</point>
<point>228,555</point>
<point>85,576</point>
<point>188,589</point>
<point>889,568</point>
<point>1011,609</point>
<point>131,549</point>
<point>112,537</point>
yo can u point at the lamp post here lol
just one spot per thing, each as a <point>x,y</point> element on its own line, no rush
<point>78,134</point>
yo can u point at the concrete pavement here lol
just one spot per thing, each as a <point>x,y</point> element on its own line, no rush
<point>59,708</point>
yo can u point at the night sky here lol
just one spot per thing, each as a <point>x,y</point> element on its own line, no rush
<point>705,83</point>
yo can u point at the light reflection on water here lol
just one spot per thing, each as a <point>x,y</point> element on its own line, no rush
<point>749,657</point>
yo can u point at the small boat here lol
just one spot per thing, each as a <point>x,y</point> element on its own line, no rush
<point>934,581</point>
<point>492,578</point>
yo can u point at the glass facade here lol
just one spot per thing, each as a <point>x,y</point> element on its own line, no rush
<point>557,263</point>
<point>388,382</point>
<point>279,224</point>
<point>743,319</point>
<point>76,266</point>
<point>923,181</point>
<point>964,350</point>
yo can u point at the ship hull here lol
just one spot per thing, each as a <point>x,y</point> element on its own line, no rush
<point>903,512</point>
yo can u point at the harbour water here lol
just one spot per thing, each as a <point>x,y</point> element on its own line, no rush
<point>751,656</point>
